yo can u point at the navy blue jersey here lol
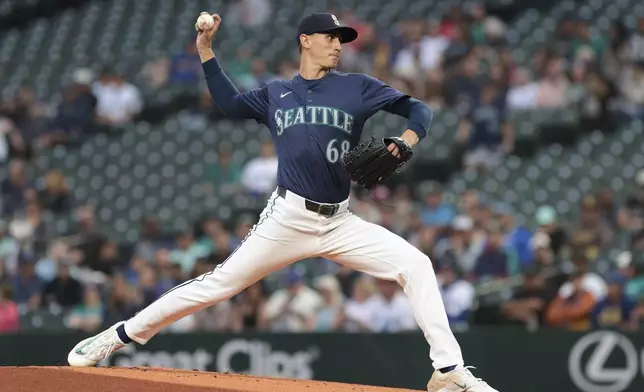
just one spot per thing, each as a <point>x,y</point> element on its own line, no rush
<point>313,123</point>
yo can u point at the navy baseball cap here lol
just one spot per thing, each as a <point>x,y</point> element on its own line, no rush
<point>322,22</point>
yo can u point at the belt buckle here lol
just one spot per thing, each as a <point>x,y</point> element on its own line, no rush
<point>328,209</point>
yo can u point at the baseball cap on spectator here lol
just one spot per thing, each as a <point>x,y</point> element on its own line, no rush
<point>462,223</point>
<point>83,76</point>
<point>589,203</point>
<point>546,215</point>
<point>624,259</point>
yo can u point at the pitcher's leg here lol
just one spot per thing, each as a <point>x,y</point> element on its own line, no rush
<point>272,244</point>
<point>376,251</point>
<point>269,246</point>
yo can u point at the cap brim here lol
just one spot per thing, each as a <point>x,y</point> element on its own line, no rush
<point>346,33</point>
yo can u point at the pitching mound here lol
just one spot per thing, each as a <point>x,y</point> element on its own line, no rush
<point>64,379</point>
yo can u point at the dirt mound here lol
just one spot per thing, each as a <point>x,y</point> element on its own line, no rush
<point>64,379</point>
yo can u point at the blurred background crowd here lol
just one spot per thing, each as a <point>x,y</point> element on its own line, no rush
<point>495,265</point>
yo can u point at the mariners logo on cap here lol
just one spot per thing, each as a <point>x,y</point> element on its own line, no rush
<point>335,20</point>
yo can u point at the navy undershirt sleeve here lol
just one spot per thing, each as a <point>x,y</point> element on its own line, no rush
<point>251,104</point>
<point>379,96</point>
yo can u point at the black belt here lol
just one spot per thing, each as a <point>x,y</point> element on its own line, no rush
<point>322,209</point>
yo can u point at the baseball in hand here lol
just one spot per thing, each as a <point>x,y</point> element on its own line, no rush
<point>205,22</point>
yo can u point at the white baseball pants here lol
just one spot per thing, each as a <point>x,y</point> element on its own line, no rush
<point>287,232</point>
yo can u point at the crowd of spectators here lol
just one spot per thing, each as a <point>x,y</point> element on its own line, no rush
<point>459,61</point>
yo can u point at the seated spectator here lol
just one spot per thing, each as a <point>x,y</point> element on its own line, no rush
<point>572,308</point>
<point>187,252</point>
<point>529,303</point>
<point>151,239</point>
<point>587,47</point>
<point>327,316</point>
<point>542,256</point>
<point>616,310</point>
<point>486,134</point>
<point>631,85</point>
<point>118,102</point>
<point>347,278</point>
<point>293,307</point>
<point>249,305</point>
<point>225,174</point>
<point>161,262</point>
<point>9,315</point>
<point>495,261</point>
<point>517,237</point>
<point>258,77</point>
<point>54,195</point>
<point>458,296</point>
<point>608,206</point>
<point>12,142</point>
<point>27,287</point>
<point>546,217</point>
<point>87,316</point>
<point>635,48</point>
<point>598,101</point>
<point>123,300</point>
<point>259,175</point>
<point>63,290</point>
<point>464,87</point>
<point>31,229</point>
<point>13,188</point>
<point>422,53</point>
<point>249,13</point>
<point>185,67</point>
<point>85,236</point>
<point>435,212</point>
<point>391,309</point>
<point>47,266</point>
<point>591,233</point>
<point>75,114</point>
<point>524,91</point>
<point>9,252</point>
<point>148,285</point>
<point>358,309</point>
<point>553,85</point>
<point>109,260</point>
<point>462,247</point>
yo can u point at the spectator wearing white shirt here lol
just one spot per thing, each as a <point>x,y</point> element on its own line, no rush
<point>118,101</point>
<point>391,309</point>
<point>358,310</point>
<point>458,296</point>
<point>524,91</point>
<point>259,175</point>
<point>293,308</point>
<point>423,53</point>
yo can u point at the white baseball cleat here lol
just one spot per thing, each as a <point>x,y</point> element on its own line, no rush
<point>91,351</point>
<point>458,380</point>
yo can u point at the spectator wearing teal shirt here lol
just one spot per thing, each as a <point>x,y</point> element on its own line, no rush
<point>187,252</point>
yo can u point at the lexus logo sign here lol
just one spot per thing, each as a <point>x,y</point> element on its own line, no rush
<point>588,359</point>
